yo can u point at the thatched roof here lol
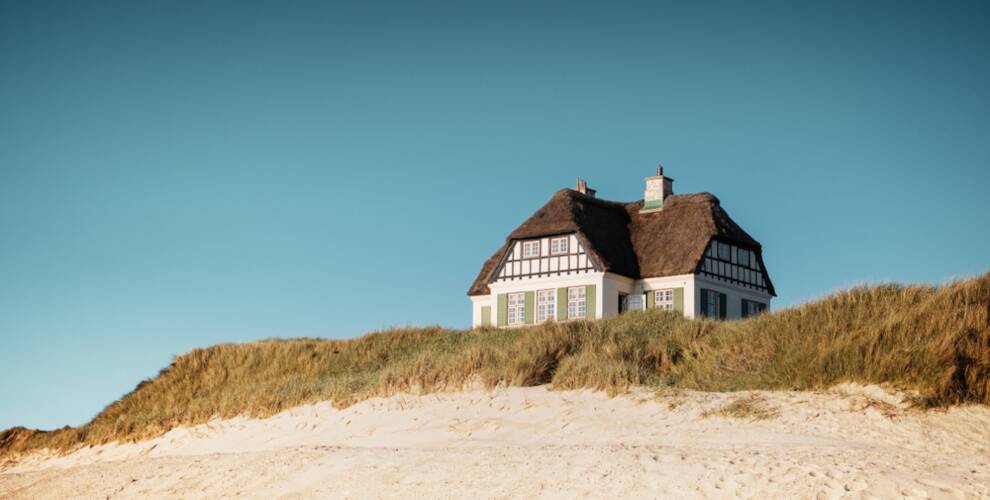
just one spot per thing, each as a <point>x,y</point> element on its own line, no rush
<point>624,241</point>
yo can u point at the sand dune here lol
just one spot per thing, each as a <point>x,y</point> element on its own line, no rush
<point>531,442</point>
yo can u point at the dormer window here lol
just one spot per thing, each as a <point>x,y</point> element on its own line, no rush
<point>531,249</point>
<point>558,246</point>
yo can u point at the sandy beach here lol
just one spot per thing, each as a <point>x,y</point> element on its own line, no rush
<point>851,442</point>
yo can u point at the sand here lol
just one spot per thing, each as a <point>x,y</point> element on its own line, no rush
<point>850,442</point>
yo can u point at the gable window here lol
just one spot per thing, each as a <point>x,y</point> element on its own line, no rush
<point>576,302</point>
<point>517,308</point>
<point>752,308</point>
<point>546,305</point>
<point>558,246</point>
<point>723,251</point>
<point>664,299</point>
<point>531,249</point>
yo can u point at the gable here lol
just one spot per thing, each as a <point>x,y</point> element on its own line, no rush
<point>736,264</point>
<point>555,255</point>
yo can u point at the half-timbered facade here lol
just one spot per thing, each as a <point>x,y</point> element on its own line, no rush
<point>581,257</point>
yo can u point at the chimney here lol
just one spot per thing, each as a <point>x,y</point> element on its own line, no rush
<point>658,188</point>
<point>582,187</point>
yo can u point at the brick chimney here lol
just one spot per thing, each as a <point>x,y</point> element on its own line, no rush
<point>658,188</point>
<point>582,187</point>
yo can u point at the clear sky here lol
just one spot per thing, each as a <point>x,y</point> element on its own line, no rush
<point>178,174</point>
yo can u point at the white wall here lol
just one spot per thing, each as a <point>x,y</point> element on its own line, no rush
<point>477,302</point>
<point>685,281</point>
<point>534,284</point>
<point>612,286</point>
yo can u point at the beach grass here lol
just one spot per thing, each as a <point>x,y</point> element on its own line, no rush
<point>934,341</point>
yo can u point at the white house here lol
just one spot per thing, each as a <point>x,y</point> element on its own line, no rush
<point>583,257</point>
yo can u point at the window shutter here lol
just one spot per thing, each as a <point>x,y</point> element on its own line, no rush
<point>704,303</point>
<point>530,308</point>
<point>650,299</point>
<point>503,310</point>
<point>722,305</point>
<point>486,315</point>
<point>589,302</point>
<point>561,304</point>
<point>679,300</point>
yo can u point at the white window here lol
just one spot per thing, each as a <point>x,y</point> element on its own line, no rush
<point>546,305</point>
<point>531,249</point>
<point>558,246</point>
<point>575,302</point>
<point>664,299</point>
<point>517,308</point>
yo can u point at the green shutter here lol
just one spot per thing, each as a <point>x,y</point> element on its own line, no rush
<point>561,304</point>
<point>530,308</point>
<point>679,300</point>
<point>589,302</point>
<point>650,299</point>
<point>503,310</point>
<point>722,305</point>
<point>486,315</point>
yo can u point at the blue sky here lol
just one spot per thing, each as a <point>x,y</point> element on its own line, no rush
<point>175,175</point>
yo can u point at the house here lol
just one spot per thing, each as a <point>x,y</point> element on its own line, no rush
<point>582,257</point>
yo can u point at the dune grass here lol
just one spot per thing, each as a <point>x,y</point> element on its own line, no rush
<point>933,340</point>
<point>750,408</point>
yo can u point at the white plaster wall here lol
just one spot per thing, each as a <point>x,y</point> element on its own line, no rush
<point>733,295</point>
<point>685,281</point>
<point>612,286</point>
<point>477,302</point>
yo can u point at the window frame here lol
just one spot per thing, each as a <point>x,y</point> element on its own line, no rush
<point>516,308</point>
<point>565,249</point>
<point>546,310</point>
<point>710,298</point>
<point>529,245</point>
<point>665,303</point>
<point>577,305</point>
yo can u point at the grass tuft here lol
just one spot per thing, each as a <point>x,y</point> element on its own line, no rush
<point>932,340</point>
<point>750,408</point>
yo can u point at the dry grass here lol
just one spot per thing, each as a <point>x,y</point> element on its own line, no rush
<point>750,408</point>
<point>935,341</point>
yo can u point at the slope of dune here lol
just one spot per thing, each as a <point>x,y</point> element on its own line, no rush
<point>532,442</point>
<point>933,341</point>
